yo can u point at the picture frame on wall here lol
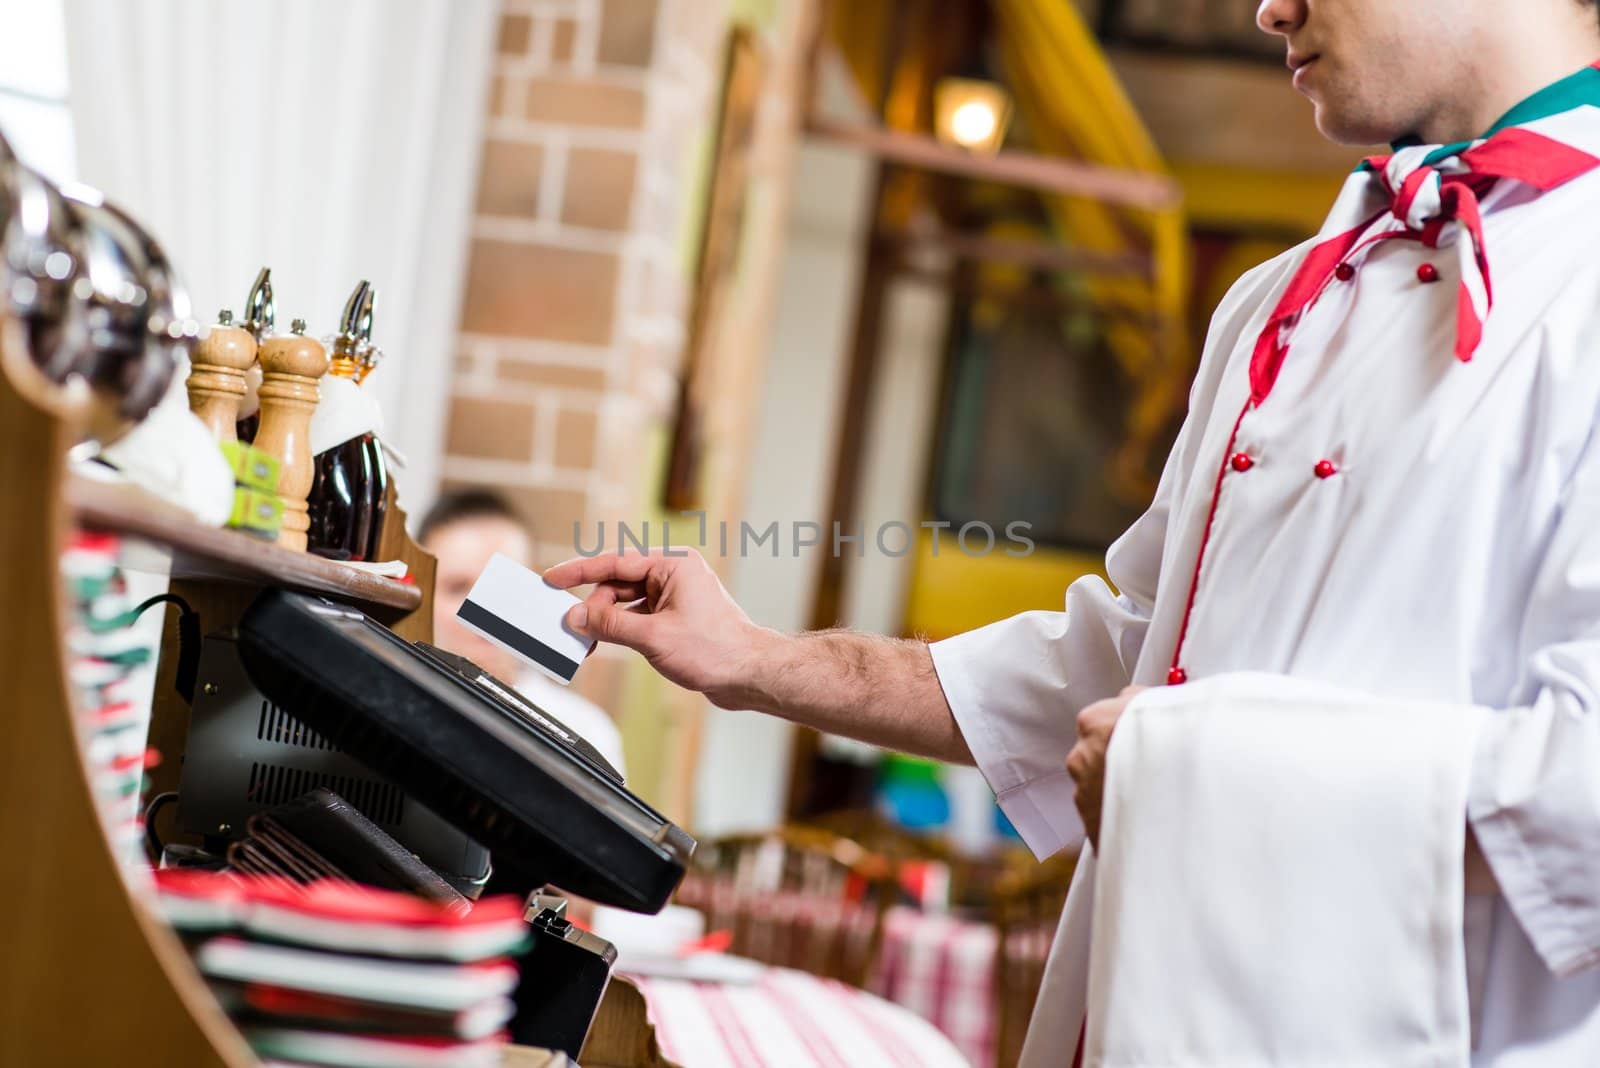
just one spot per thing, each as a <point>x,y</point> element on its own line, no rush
<point>716,264</point>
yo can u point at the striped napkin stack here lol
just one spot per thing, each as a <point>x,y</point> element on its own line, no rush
<point>344,976</point>
<point>109,668</point>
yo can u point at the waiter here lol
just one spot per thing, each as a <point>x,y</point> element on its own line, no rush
<point>1389,479</point>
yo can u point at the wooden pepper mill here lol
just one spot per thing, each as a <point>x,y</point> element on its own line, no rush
<point>216,384</point>
<point>290,367</point>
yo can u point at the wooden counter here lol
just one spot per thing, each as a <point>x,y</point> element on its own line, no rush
<point>202,553</point>
<point>90,975</point>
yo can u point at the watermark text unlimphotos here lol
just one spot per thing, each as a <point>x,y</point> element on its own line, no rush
<point>777,539</point>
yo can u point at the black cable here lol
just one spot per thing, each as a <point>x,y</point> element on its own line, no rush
<point>188,642</point>
<point>152,840</point>
<point>169,598</point>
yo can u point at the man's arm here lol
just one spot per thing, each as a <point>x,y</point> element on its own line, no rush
<point>879,690</point>
<point>674,611</point>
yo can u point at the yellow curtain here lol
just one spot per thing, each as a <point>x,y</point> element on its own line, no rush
<point>1074,107</point>
<point>860,28</point>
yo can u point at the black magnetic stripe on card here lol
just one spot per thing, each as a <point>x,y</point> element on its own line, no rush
<point>520,640</point>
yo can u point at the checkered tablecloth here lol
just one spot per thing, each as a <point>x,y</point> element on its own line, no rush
<point>942,969</point>
<point>788,1019</point>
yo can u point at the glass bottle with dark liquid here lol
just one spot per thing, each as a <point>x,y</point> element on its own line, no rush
<point>349,494</point>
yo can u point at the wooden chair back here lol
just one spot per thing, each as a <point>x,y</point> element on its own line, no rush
<point>797,897</point>
<point>1027,908</point>
<point>972,879</point>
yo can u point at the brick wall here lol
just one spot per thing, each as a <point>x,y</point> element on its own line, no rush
<point>557,261</point>
<point>573,326</point>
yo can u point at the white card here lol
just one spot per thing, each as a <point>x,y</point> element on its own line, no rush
<point>516,609</point>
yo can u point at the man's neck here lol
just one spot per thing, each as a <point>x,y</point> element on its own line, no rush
<point>1509,72</point>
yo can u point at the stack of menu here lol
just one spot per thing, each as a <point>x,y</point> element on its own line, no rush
<point>340,975</point>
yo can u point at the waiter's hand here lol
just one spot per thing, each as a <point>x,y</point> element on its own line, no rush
<point>1087,761</point>
<point>674,610</point>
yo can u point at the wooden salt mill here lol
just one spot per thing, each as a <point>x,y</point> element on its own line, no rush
<point>290,367</point>
<point>216,384</point>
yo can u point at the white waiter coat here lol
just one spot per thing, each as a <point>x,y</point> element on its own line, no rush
<point>1399,522</point>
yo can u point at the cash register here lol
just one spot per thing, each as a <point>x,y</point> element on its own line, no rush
<point>461,769</point>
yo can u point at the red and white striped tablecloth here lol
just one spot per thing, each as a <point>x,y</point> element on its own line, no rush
<point>789,1019</point>
<point>942,968</point>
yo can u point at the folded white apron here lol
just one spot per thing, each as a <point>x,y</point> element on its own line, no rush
<point>1280,882</point>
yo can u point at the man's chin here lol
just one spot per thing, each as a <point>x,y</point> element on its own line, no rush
<point>1344,129</point>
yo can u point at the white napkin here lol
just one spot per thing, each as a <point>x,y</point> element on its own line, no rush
<point>394,569</point>
<point>173,455</point>
<point>344,411</point>
<point>1280,881</point>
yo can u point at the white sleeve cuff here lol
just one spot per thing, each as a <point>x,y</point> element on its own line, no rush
<point>1016,688</point>
<point>1541,915</point>
<point>1038,804</point>
<point>1044,813</point>
<point>1540,842</point>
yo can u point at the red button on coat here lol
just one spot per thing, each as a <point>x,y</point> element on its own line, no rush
<point>1325,469</point>
<point>1344,272</point>
<point>1177,677</point>
<point>1242,461</point>
<point>1427,273</point>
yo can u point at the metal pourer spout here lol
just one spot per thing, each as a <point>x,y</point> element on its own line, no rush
<point>356,322</point>
<point>259,313</point>
<point>345,347</point>
<point>367,304</point>
<point>367,354</point>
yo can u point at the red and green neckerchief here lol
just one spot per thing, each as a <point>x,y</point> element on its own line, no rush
<point>1422,190</point>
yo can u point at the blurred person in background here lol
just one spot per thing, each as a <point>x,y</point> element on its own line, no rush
<point>1410,511</point>
<point>464,529</point>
